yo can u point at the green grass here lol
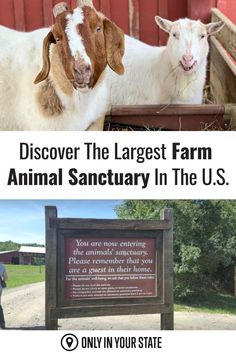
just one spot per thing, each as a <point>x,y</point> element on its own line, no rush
<point>210,302</point>
<point>21,275</point>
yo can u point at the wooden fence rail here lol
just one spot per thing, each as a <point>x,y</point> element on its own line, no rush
<point>171,117</point>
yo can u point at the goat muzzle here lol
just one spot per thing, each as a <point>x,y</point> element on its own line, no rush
<point>82,75</point>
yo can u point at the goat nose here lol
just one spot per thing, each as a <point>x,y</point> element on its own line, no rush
<point>188,58</point>
<point>82,71</point>
<point>82,68</point>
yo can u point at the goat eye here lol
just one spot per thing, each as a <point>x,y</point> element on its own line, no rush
<point>98,29</point>
<point>203,36</point>
<point>175,35</point>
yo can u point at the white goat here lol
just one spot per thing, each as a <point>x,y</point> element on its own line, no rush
<point>70,92</point>
<point>174,74</point>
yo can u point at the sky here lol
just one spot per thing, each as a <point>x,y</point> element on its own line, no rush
<point>23,221</point>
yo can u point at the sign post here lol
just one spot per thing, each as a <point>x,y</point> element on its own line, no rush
<point>108,268</point>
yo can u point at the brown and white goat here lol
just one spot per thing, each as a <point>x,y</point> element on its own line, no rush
<point>69,93</point>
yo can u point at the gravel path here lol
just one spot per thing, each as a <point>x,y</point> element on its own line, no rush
<point>24,309</point>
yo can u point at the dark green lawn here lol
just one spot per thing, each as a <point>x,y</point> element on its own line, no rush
<point>209,302</point>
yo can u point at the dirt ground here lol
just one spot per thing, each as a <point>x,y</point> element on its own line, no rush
<point>24,309</point>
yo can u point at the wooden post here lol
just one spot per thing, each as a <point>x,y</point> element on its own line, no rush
<point>167,319</point>
<point>51,271</point>
<point>222,68</point>
<point>200,10</point>
<point>134,25</point>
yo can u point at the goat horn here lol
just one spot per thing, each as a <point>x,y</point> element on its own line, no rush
<point>60,8</point>
<point>82,3</point>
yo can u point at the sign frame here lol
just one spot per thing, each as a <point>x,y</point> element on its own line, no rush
<point>58,307</point>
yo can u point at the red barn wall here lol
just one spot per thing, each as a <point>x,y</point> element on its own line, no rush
<point>136,17</point>
<point>6,258</point>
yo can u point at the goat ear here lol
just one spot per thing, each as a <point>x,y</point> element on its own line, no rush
<point>166,25</point>
<point>115,46</point>
<point>46,60</point>
<point>214,27</point>
<point>60,8</point>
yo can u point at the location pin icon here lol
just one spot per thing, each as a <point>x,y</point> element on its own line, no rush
<point>69,341</point>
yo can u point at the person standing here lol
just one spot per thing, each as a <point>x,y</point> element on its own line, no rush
<point>3,276</point>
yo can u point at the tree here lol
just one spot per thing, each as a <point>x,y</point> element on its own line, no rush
<point>9,246</point>
<point>13,246</point>
<point>204,240</point>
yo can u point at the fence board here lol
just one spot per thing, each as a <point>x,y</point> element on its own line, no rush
<point>200,10</point>
<point>7,14</point>
<point>47,12</point>
<point>120,14</point>
<point>73,3</point>
<point>135,17</point>
<point>82,224</point>
<point>148,33</point>
<point>163,12</point>
<point>227,36</point>
<point>223,74</point>
<point>19,11</point>
<point>130,309</point>
<point>105,7</point>
<point>33,15</point>
<point>179,10</point>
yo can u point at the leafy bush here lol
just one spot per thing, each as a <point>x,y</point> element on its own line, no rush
<point>204,241</point>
